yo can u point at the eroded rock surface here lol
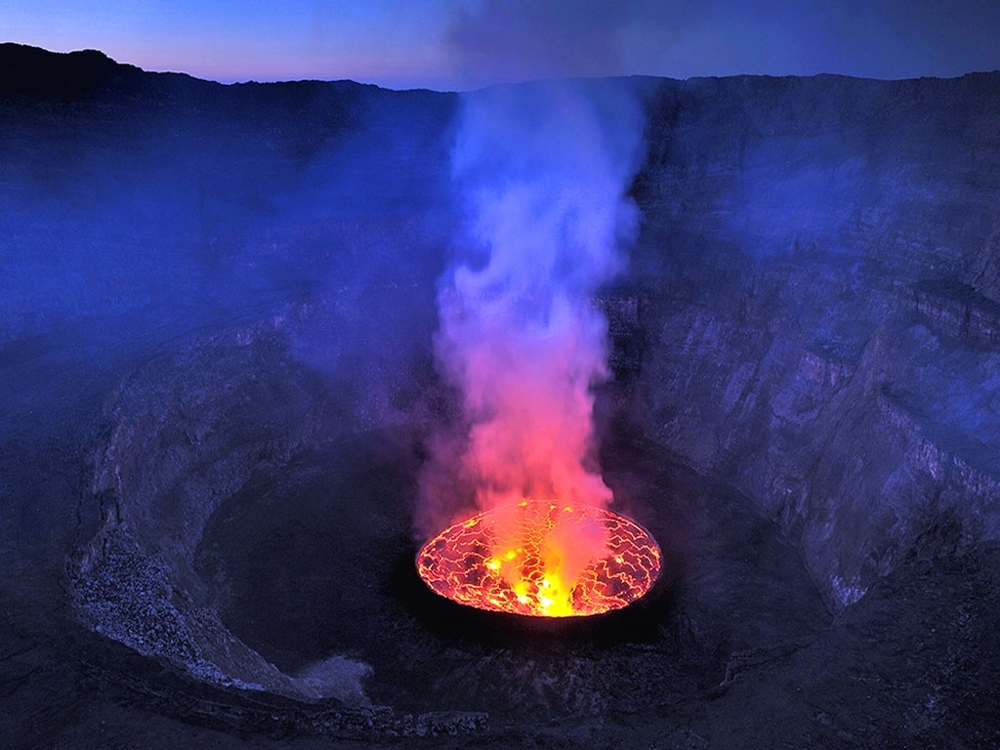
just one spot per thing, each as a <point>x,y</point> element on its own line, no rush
<point>818,306</point>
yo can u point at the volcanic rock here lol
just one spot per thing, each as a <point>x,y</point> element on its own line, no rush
<point>216,336</point>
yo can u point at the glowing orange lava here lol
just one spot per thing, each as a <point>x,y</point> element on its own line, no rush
<point>542,559</point>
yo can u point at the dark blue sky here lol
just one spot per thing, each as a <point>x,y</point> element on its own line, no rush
<point>450,44</point>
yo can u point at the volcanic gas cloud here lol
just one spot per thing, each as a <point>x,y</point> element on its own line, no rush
<point>543,170</point>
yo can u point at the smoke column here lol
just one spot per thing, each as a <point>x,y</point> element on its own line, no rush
<point>542,170</point>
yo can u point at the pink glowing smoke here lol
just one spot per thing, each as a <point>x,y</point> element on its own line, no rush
<point>543,169</point>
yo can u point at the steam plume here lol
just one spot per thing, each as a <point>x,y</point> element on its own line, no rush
<point>543,169</point>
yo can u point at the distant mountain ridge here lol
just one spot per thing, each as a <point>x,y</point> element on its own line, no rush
<point>32,71</point>
<point>86,75</point>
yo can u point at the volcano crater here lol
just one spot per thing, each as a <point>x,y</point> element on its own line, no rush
<point>254,532</point>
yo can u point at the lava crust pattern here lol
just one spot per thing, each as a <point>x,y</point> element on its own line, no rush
<point>542,559</point>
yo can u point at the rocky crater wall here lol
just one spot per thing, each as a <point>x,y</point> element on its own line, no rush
<point>818,306</point>
<point>810,313</point>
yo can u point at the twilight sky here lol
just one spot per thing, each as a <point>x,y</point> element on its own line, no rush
<point>458,44</point>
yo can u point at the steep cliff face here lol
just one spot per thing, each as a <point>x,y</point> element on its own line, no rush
<point>818,264</point>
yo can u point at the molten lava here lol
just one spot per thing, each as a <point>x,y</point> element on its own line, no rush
<point>542,559</point>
